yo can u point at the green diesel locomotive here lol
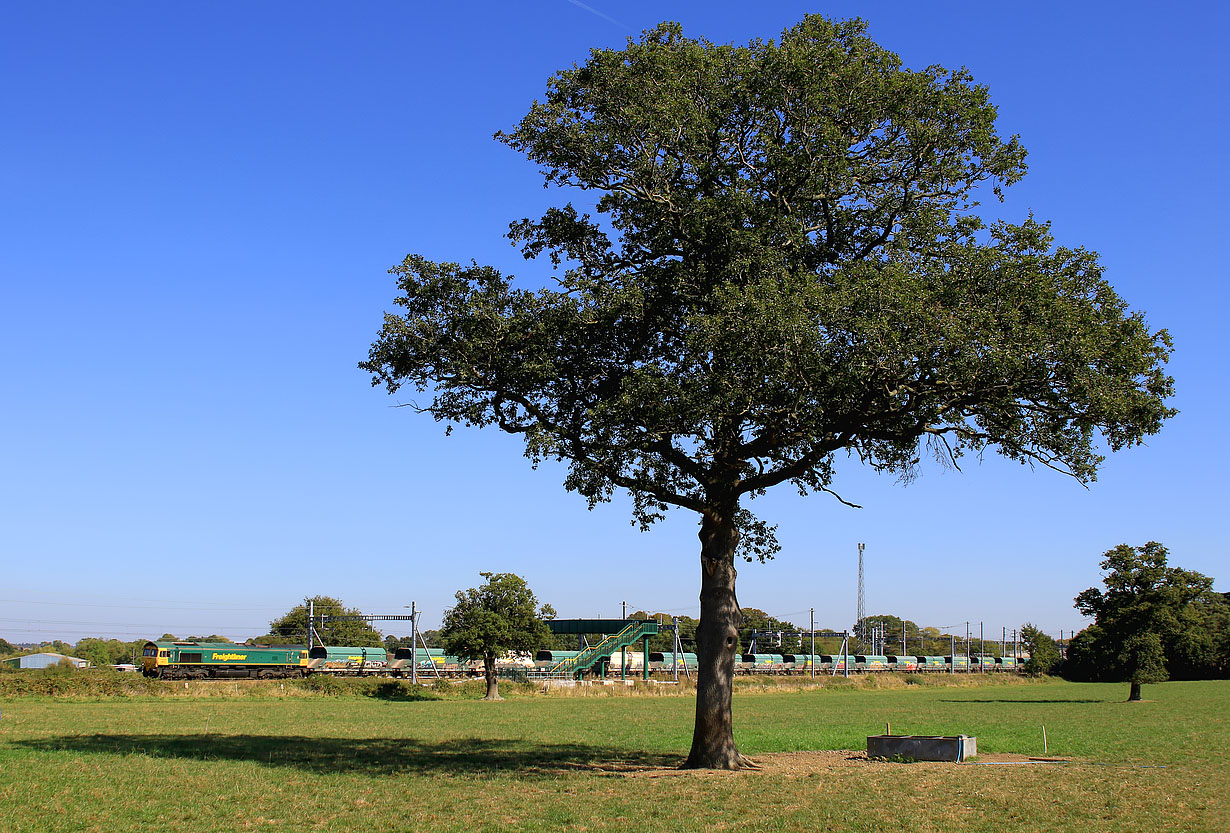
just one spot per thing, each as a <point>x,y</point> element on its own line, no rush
<point>189,660</point>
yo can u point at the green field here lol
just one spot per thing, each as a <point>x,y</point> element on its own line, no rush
<point>533,762</point>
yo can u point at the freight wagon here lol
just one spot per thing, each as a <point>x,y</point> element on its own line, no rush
<point>903,663</point>
<point>343,661</point>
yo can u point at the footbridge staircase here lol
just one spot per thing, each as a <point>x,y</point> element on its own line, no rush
<point>617,634</point>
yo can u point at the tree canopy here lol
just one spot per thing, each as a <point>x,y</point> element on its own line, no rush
<point>291,627</point>
<point>430,638</point>
<point>499,616</point>
<point>1151,619</point>
<point>788,266</point>
<point>1042,649</point>
<point>103,652</point>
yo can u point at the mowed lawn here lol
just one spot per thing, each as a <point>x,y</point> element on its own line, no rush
<point>600,763</point>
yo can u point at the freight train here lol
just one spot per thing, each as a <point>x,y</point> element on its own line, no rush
<point>186,660</point>
<point>666,662</point>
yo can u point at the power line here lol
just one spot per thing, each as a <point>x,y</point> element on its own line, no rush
<point>164,605</point>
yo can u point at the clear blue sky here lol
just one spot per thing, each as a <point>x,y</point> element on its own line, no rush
<point>198,206</point>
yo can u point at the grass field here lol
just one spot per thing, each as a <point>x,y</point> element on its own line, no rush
<point>600,763</point>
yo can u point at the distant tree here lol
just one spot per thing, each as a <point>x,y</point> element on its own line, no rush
<point>213,637</point>
<point>291,627</point>
<point>687,634</point>
<point>500,615</point>
<point>103,652</point>
<point>755,619</point>
<point>789,269</point>
<point>664,640</point>
<point>56,646</point>
<point>891,627</point>
<point>7,648</point>
<point>1144,607</point>
<point>1043,651</point>
<point>929,639</point>
<point>892,624</point>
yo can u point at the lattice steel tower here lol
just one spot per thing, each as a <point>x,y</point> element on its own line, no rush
<point>860,626</point>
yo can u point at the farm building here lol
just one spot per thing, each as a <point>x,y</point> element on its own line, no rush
<point>43,660</point>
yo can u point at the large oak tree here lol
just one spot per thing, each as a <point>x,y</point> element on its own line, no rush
<point>787,264</point>
<point>1148,615</point>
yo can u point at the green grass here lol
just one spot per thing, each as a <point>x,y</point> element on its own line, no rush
<point>367,763</point>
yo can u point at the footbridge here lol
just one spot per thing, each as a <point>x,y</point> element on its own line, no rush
<point>618,635</point>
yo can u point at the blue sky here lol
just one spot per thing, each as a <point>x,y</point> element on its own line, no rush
<point>199,204</point>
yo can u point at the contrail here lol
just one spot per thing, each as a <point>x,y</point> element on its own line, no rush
<point>594,11</point>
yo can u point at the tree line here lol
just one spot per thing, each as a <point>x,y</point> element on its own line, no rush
<point>1152,622</point>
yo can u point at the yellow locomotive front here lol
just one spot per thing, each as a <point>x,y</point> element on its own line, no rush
<point>153,658</point>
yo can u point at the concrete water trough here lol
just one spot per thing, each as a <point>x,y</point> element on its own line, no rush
<point>922,747</point>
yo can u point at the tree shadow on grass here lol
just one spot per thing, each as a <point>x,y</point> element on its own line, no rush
<point>398,692</point>
<point>369,756</point>
<point>1019,702</point>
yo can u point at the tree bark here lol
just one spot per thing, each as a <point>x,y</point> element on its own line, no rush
<point>717,637</point>
<point>493,682</point>
<point>1134,693</point>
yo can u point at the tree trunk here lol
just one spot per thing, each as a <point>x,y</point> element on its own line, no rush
<point>1135,692</point>
<point>493,682</point>
<point>717,636</point>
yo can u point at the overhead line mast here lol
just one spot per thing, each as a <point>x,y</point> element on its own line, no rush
<point>860,627</point>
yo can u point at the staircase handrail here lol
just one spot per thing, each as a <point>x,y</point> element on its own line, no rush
<point>629,634</point>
